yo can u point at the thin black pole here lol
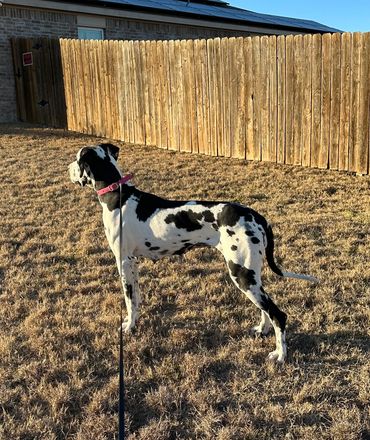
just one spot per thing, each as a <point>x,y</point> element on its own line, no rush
<point>121,403</point>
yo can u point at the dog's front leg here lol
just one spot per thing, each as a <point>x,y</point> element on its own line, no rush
<point>128,274</point>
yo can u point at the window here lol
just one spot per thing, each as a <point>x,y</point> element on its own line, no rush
<point>89,33</point>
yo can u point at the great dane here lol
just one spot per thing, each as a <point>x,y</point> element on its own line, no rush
<point>154,227</point>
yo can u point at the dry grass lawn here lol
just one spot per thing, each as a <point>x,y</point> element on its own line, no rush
<point>192,370</point>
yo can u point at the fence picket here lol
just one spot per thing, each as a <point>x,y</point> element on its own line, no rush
<point>307,100</point>
<point>281,74</point>
<point>360,121</point>
<point>323,156</point>
<point>298,50</point>
<point>316,100</point>
<point>335,92</point>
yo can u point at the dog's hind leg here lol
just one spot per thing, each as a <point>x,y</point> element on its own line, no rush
<point>249,282</point>
<point>128,274</point>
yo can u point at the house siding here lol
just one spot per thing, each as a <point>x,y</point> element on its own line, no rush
<point>30,22</point>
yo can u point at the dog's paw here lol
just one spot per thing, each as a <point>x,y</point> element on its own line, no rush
<point>276,357</point>
<point>258,332</point>
<point>127,326</point>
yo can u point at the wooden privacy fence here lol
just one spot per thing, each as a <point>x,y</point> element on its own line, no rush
<point>302,100</point>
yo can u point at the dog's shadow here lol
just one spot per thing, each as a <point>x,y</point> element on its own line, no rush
<point>325,347</point>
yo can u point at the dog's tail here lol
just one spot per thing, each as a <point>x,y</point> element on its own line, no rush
<point>274,267</point>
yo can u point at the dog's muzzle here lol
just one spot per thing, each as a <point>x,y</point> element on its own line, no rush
<point>75,174</point>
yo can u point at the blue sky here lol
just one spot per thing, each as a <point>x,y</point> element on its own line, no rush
<point>346,15</point>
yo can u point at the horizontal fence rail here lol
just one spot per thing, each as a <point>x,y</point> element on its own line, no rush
<point>301,100</point>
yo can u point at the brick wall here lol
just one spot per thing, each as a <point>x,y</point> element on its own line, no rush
<point>22,22</point>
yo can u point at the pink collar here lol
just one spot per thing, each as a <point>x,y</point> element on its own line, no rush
<point>115,185</point>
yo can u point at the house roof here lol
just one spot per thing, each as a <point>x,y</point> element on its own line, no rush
<point>217,10</point>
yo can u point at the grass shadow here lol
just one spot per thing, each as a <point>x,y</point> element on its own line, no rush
<point>310,345</point>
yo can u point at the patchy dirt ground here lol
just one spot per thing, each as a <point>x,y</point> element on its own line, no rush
<point>192,370</point>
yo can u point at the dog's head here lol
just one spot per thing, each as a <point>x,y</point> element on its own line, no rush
<point>95,166</point>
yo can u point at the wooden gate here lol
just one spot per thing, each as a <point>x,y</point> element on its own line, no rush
<point>39,81</point>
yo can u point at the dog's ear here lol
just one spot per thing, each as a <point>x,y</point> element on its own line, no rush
<point>112,149</point>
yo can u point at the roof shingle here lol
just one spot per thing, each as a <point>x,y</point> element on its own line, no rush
<point>218,10</point>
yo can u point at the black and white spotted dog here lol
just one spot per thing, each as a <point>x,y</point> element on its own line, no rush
<point>154,227</point>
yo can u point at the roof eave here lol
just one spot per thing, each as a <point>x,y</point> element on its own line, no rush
<point>152,14</point>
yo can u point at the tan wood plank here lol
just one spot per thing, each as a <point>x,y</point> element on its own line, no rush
<point>298,99</point>
<point>168,81</point>
<point>290,96</point>
<point>249,94</point>
<point>145,96</point>
<point>103,81</point>
<point>120,91</point>
<point>354,139</point>
<point>139,74</point>
<point>113,87</point>
<point>225,55</point>
<point>184,125</point>
<point>256,63</point>
<point>129,93</point>
<point>173,127</point>
<point>150,134</point>
<point>218,96</point>
<point>335,101</point>
<point>179,96</point>
<point>307,100</point>
<point>212,97</point>
<point>133,93</point>
<point>345,107</point>
<point>193,100</point>
<point>364,159</point>
<point>281,117</point>
<point>198,96</point>
<point>93,112</point>
<point>323,159</point>
<point>360,157</point>
<point>201,82</point>
<point>233,92</point>
<point>129,97</point>
<point>182,133</point>
<point>107,127</point>
<point>316,99</point>
<point>206,102</point>
<point>101,84</point>
<point>85,85</point>
<point>265,96</point>
<point>117,81</point>
<point>273,92</point>
<point>240,117</point>
<point>72,112</point>
<point>187,63</point>
<point>161,96</point>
